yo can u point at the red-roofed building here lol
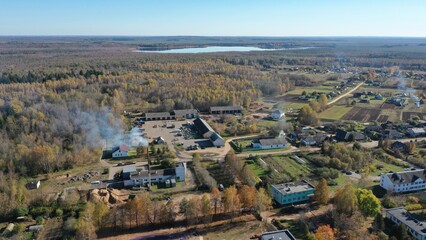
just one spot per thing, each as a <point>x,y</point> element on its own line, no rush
<point>120,151</point>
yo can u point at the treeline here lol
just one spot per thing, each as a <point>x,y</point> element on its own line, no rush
<point>146,211</point>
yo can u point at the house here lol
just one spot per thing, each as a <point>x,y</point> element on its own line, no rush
<point>398,146</point>
<point>416,132</point>
<point>33,185</point>
<point>120,151</point>
<point>159,140</point>
<point>269,143</point>
<point>415,227</point>
<point>226,110</point>
<point>217,140</point>
<point>375,128</point>
<point>144,176</point>
<point>312,140</point>
<point>280,234</point>
<point>392,134</point>
<point>185,113</point>
<point>378,97</point>
<point>289,193</point>
<point>408,181</point>
<point>277,114</point>
<point>342,135</point>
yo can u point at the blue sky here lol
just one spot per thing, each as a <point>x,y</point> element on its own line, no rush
<point>214,17</point>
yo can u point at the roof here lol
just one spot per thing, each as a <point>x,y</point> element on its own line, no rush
<point>154,173</point>
<point>129,169</point>
<point>202,126</point>
<point>278,111</point>
<point>408,219</point>
<point>215,136</point>
<point>407,176</point>
<point>344,135</point>
<point>185,111</point>
<point>293,187</point>
<point>281,234</point>
<point>226,108</point>
<point>377,128</point>
<point>319,137</point>
<point>272,141</point>
<point>157,114</point>
<point>124,148</point>
<point>417,130</point>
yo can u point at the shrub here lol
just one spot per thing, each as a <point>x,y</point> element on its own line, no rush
<point>414,206</point>
<point>40,220</point>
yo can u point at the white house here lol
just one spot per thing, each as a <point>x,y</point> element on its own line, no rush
<point>269,143</point>
<point>277,114</point>
<point>407,181</point>
<point>120,151</point>
<point>144,176</point>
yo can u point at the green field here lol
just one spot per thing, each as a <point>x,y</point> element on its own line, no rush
<point>335,112</point>
<point>387,167</point>
<point>256,168</point>
<point>293,168</point>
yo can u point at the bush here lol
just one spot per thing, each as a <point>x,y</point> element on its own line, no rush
<point>414,206</point>
<point>40,220</point>
<point>40,211</point>
<point>388,202</point>
<point>20,211</point>
<point>59,212</point>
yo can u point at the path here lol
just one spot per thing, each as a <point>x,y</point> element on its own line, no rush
<point>346,94</point>
<point>293,149</point>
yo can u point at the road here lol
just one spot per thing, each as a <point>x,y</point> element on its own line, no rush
<point>346,94</point>
<point>374,144</point>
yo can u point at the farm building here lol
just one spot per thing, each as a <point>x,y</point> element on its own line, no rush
<point>269,143</point>
<point>120,151</point>
<point>277,114</point>
<point>144,176</point>
<point>415,227</point>
<point>185,113</point>
<point>342,135</point>
<point>408,181</point>
<point>226,110</point>
<point>217,140</point>
<point>208,133</point>
<point>289,193</point>
<point>155,116</point>
<point>416,132</point>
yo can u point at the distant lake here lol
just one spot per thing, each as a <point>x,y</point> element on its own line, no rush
<point>214,49</point>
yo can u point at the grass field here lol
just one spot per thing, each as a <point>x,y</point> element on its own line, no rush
<point>293,168</point>
<point>386,168</point>
<point>258,170</point>
<point>335,112</point>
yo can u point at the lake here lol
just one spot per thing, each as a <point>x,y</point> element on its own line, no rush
<point>213,49</point>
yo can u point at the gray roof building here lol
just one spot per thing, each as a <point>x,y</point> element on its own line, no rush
<point>401,216</point>
<point>275,235</point>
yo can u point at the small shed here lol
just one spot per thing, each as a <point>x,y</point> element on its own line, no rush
<point>33,185</point>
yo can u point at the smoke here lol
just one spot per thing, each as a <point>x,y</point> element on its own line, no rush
<point>402,85</point>
<point>104,128</point>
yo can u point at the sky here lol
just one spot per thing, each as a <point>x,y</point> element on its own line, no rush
<point>405,18</point>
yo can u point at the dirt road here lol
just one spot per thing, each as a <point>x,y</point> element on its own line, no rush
<point>346,94</point>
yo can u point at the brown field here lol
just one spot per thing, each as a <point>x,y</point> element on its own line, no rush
<point>389,106</point>
<point>408,115</point>
<point>383,118</point>
<point>362,114</point>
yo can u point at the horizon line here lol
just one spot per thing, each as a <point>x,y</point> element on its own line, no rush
<point>226,36</point>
